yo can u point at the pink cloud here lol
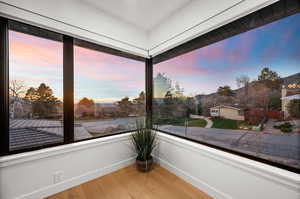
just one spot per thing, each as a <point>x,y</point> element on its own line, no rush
<point>34,51</point>
<point>213,52</point>
<point>184,65</point>
<point>101,66</point>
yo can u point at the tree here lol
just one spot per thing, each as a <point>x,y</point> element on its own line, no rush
<point>31,94</point>
<point>140,104</point>
<point>162,84</point>
<point>125,106</point>
<point>260,98</point>
<point>294,108</point>
<point>274,102</point>
<point>225,91</point>
<point>86,107</point>
<point>16,88</point>
<point>178,91</point>
<point>44,103</point>
<point>269,78</point>
<point>243,81</point>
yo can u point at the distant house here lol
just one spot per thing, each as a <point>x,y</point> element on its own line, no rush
<point>19,108</point>
<point>288,94</point>
<point>227,112</point>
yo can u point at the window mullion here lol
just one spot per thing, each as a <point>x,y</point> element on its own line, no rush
<point>4,89</point>
<point>149,91</point>
<point>68,60</point>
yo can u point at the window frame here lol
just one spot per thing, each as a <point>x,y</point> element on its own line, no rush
<point>269,14</point>
<point>256,19</point>
<point>68,80</point>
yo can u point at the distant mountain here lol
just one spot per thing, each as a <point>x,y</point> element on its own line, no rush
<point>106,104</point>
<point>292,79</point>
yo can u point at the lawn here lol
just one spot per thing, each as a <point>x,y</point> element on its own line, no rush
<point>221,123</point>
<point>197,123</point>
<point>179,121</point>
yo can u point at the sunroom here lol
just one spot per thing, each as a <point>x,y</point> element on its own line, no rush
<point>140,99</point>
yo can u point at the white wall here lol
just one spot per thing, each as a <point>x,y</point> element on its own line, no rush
<point>78,19</point>
<point>219,174</point>
<point>225,176</point>
<point>30,175</point>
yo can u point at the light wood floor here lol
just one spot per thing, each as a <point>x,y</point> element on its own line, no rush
<point>128,183</point>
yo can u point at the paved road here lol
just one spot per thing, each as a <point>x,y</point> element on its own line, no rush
<point>283,148</point>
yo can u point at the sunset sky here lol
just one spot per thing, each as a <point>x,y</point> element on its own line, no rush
<point>107,78</point>
<point>100,76</point>
<point>276,45</point>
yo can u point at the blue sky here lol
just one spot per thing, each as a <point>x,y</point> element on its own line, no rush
<point>275,45</point>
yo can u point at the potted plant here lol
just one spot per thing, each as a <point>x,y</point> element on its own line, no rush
<point>144,141</point>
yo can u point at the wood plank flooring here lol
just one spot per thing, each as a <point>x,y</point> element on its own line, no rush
<point>128,183</point>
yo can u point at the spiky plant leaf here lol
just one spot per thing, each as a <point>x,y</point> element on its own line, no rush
<point>143,140</point>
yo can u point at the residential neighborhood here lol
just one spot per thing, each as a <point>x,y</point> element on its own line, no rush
<point>260,117</point>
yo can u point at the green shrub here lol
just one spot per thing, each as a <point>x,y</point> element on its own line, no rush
<point>276,126</point>
<point>286,129</point>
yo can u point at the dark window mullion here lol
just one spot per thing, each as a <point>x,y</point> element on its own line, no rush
<point>4,86</point>
<point>149,91</point>
<point>68,60</point>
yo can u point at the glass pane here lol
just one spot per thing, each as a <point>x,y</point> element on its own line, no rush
<point>109,93</point>
<point>242,93</point>
<point>35,91</point>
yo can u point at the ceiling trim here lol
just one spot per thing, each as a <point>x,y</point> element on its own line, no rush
<point>111,42</point>
<point>195,31</point>
<point>194,26</point>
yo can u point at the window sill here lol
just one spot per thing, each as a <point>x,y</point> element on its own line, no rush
<point>15,159</point>
<point>282,176</point>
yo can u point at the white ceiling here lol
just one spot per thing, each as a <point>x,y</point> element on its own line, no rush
<point>141,27</point>
<point>144,14</point>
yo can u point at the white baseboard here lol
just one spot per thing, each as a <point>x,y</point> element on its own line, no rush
<point>216,194</point>
<point>59,187</point>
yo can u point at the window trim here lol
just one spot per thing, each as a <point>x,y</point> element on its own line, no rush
<point>269,14</point>
<point>234,152</point>
<point>4,87</point>
<point>258,18</point>
<point>68,80</point>
<point>266,15</point>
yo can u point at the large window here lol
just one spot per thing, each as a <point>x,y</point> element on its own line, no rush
<point>242,93</point>
<point>35,91</point>
<point>109,93</point>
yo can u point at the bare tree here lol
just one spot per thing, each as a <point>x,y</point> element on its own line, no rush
<point>261,95</point>
<point>242,81</point>
<point>16,88</point>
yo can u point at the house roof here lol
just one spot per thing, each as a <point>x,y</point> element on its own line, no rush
<point>30,137</point>
<point>291,97</point>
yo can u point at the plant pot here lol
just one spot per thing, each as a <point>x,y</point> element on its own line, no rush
<point>144,166</point>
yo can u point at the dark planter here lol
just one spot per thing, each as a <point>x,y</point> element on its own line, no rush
<point>144,166</point>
